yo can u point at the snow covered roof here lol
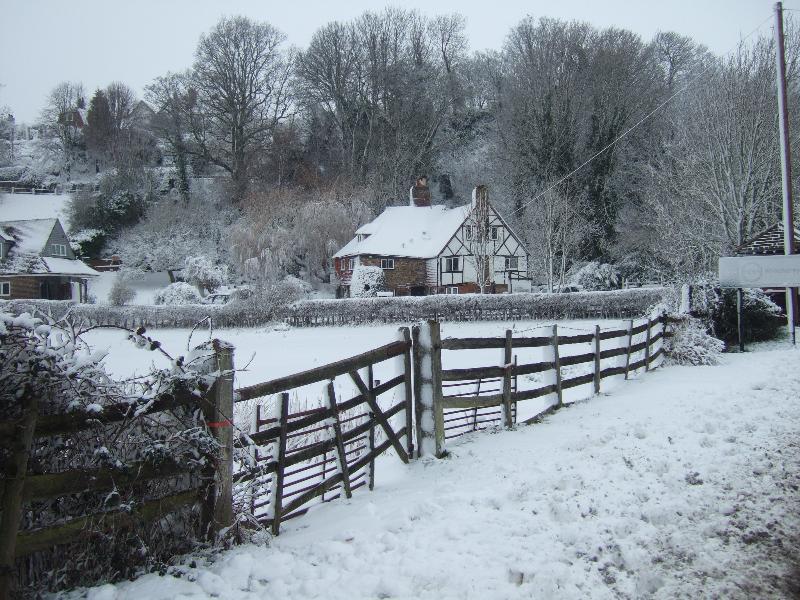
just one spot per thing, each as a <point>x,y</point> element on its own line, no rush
<point>66,266</point>
<point>30,236</point>
<point>408,231</point>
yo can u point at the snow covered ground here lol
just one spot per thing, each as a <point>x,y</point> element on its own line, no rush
<point>682,483</point>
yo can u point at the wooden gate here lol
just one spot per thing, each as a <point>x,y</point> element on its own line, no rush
<point>302,457</point>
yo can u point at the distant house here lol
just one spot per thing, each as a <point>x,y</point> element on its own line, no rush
<point>36,261</point>
<point>426,249</point>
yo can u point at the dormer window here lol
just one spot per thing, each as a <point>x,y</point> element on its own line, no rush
<point>362,236</point>
<point>3,250</point>
<point>59,250</point>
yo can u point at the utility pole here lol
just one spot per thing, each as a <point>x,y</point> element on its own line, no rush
<point>786,162</point>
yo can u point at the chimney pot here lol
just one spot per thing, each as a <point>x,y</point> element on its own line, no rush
<point>420,195</point>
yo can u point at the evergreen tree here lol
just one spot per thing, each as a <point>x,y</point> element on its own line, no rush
<point>100,129</point>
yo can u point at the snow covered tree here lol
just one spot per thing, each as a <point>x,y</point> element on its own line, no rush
<point>204,274</point>
<point>59,117</point>
<point>178,293</point>
<point>99,131</point>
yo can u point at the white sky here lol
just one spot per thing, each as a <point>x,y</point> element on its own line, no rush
<point>44,42</point>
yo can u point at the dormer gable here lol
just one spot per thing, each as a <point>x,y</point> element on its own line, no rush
<point>40,237</point>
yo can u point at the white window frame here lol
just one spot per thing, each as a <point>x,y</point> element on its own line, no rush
<point>494,232</point>
<point>2,250</point>
<point>387,263</point>
<point>510,260</point>
<point>448,264</point>
<point>351,264</point>
<point>7,286</point>
<point>451,290</point>
<point>467,232</point>
<point>59,249</point>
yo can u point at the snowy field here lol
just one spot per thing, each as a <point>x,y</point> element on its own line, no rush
<point>30,206</point>
<point>266,353</point>
<point>682,483</point>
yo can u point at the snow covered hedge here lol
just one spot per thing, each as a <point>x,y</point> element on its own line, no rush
<point>281,302</point>
<point>367,281</point>
<point>762,318</point>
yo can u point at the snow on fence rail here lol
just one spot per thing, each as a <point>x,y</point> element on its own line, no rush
<point>618,304</point>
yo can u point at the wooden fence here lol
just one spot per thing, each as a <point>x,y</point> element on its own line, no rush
<point>20,547</point>
<point>461,400</point>
<point>300,456</point>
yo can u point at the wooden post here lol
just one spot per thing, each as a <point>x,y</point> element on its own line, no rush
<point>630,347</point>
<point>428,389</point>
<point>557,366</point>
<point>409,392</point>
<point>507,372</point>
<point>740,317</point>
<point>647,347</point>
<point>337,432</point>
<point>14,474</point>
<point>277,486</point>
<point>597,359</point>
<point>218,412</point>
<point>372,451</point>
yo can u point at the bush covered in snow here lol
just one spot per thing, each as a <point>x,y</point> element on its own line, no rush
<point>202,272</point>
<point>178,294</point>
<point>367,281</point>
<point>121,292</point>
<point>762,319</point>
<point>596,276</point>
<point>692,345</point>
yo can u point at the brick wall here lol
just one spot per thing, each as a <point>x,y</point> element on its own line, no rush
<point>407,273</point>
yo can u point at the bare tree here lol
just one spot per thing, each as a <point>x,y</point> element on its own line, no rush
<point>59,117</point>
<point>241,77</point>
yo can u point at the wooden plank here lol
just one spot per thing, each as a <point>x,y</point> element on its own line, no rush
<point>418,356</point>
<point>472,401</point>
<point>629,349</point>
<point>557,365</point>
<point>647,347</point>
<point>532,342</point>
<point>337,432</point>
<point>535,393</point>
<point>576,359</point>
<point>612,352</point>
<point>372,449</point>
<point>47,425</point>
<point>323,372</point>
<point>472,343</point>
<point>14,473</point>
<point>508,368</point>
<point>534,368</point>
<point>76,481</point>
<point>382,421</point>
<point>280,467</point>
<point>37,540</point>
<point>614,333</point>
<point>597,359</point>
<point>576,381</point>
<point>472,374</point>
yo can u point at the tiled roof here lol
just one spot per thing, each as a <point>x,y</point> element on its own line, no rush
<point>769,241</point>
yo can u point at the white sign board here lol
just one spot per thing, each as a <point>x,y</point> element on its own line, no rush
<point>760,271</point>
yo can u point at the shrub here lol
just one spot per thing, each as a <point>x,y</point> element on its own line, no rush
<point>595,276</point>
<point>762,319</point>
<point>692,345</point>
<point>121,292</point>
<point>367,281</point>
<point>203,273</point>
<point>178,293</point>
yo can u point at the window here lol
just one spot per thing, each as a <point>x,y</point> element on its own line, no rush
<point>59,250</point>
<point>2,250</point>
<point>512,262</point>
<point>451,290</point>
<point>452,264</point>
<point>5,288</point>
<point>362,236</point>
<point>387,263</point>
<point>467,232</point>
<point>351,264</point>
<point>494,233</point>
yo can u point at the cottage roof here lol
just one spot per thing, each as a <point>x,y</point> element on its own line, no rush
<point>769,241</point>
<point>29,236</point>
<point>408,231</point>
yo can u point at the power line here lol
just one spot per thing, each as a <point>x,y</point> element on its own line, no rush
<point>638,123</point>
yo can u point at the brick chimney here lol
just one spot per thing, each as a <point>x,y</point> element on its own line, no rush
<point>420,195</point>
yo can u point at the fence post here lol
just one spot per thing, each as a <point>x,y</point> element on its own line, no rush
<point>597,359</point>
<point>218,414</point>
<point>630,347</point>
<point>11,506</point>
<point>277,480</point>
<point>647,347</point>
<point>428,389</point>
<point>508,367</point>
<point>409,393</point>
<point>557,366</point>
